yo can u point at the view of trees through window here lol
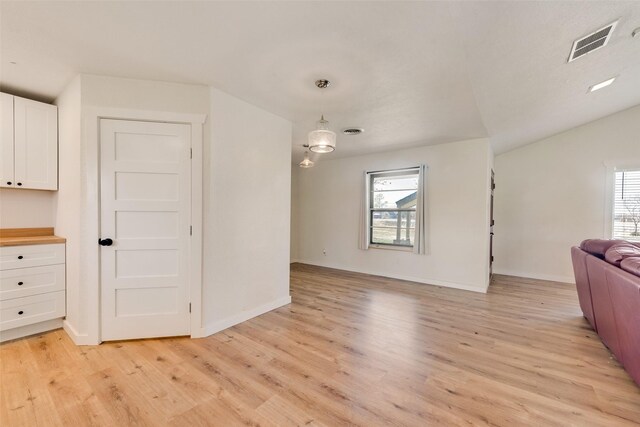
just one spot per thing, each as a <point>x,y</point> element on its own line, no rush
<point>392,205</point>
<point>626,206</point>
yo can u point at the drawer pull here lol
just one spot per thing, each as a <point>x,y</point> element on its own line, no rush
<point>20,312</point>
<point>8,182</point>
<point>19,184</point>
<point>20,283</point>
<point>20,257</point>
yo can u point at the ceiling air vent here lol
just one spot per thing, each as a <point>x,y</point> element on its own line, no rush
<point>591,42</point>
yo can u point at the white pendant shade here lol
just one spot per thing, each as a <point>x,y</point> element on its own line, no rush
<point>322,140</point>
<point>306,163</point>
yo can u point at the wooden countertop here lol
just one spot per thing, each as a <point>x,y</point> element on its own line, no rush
<point>28,236</point>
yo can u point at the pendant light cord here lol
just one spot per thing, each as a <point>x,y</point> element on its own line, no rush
<point>322,103</point>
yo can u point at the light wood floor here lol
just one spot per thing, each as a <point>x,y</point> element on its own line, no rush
<point>351,349</point>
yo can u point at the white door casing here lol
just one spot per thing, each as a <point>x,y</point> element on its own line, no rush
<point>145,194</point>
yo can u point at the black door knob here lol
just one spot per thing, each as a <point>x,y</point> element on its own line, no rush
<point>8,182</point>
<point>20,283</point>
<point>20,312</point>
<point>105,242</point>
<point>20,257</point>
<point>19,183</point>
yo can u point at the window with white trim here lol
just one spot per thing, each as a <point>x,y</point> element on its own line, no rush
<point>626,205</point>
<point>392,207</point>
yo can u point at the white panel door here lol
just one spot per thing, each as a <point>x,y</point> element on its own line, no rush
<point>36,144</point>
<point>6,141</point>
<point>145,212</point>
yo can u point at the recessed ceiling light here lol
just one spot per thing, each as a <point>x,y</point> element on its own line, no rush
<point>601,85</point>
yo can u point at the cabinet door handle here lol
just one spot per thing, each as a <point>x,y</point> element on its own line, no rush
<point>20,257</point>
<point>8,182</point>
<point>20,283</point>
<point>21,312</point>
<point>19,183</point>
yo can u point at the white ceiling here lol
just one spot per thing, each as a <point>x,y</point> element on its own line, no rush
<point>410,73</point>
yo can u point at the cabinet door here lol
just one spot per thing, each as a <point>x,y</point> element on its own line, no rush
<point>36,144</point>
<point>6,141</point>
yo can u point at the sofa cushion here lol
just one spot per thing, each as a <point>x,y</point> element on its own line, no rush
<point>631,265</point>
<point>602,307</point>
<point>616,253</point>
<point>625,298</point>
<point>598,247</point>
<point>579,259</point>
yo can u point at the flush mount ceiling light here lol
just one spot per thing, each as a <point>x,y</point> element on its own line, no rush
<point>601,85</point>
<point>306,163</point>
<point>322,140</point>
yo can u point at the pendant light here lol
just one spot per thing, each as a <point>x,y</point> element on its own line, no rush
<point>306,163</point>
<point>322,140</point>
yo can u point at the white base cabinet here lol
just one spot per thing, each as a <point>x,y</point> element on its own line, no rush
<point>32,288</point>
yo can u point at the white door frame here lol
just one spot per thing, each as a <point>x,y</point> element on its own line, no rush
<point>91,117</point>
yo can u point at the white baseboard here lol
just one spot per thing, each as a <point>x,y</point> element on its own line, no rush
<point>434,282</point>
<point>294,261</point>
<point>84,339</point>
<point>25,331</point>
<point>550,277</point>
<point>223,324</point>
<point>78,339</point>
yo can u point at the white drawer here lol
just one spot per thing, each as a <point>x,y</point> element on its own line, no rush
<point>31,256</point>
<point>27,310</point>
<point>23,282</point>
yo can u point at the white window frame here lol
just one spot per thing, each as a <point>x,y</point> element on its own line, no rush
<point>370,209</point>
<point>610,191</point>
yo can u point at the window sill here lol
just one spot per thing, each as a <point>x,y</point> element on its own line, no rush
<point>391,248</point>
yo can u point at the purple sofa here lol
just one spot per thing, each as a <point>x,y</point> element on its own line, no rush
<point>607,276</point>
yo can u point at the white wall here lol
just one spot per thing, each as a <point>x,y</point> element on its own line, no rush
<point>550,195</point>
<point>295,225</point>
<point>26,208</point>
<point>67,202</point>
<point>246,197</point>
<point>330,194</point>
<point>79,221</point>
<point>247,181</point>
<point>113,92</point>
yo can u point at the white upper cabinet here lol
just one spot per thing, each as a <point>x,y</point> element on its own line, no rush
<point>33,144</point>
<point>6,140</point>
